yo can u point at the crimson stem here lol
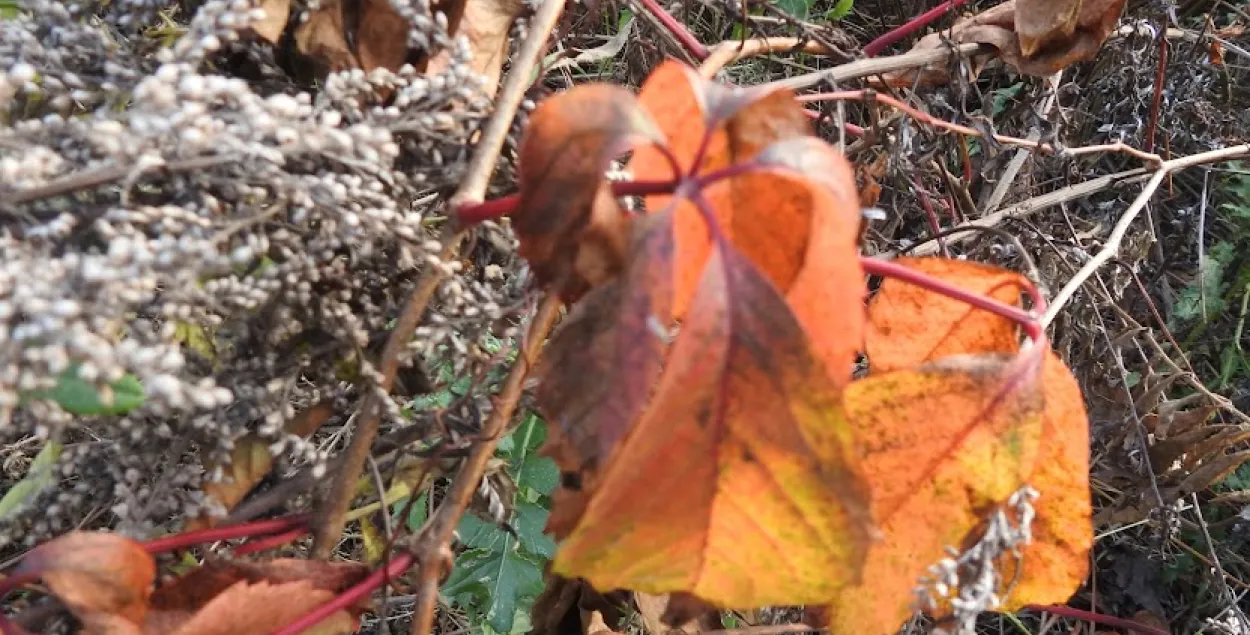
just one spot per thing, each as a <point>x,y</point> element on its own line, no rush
<point>397,566</point>
<point>1027,321</point>
<point>214,534</point>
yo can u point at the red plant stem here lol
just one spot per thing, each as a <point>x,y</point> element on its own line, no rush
<point>1117,622</point>
<point>213,534</point>
<point>397,566</point>
<point>269,542</point>
<point>679,30</point>
<point>1027,321</point>
<point>934,225</point>
<point>1160,78</point>
<point>850,128</point>
<point>474,213</point>
<point>911,26</point>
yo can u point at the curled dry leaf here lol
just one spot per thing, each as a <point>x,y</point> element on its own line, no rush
<point>1056,562</point>
<point>799,225</point>
<point>742,449</point>
<point>485,23</point>
<point>1037,37</point>
<point>250,462</point>
<point>104,578</point>
<point>567,221</point>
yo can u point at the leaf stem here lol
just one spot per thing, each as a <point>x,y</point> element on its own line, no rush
<point>909,27</point>
<point>213,534</point>
<point>400,564</point>
<point>269,542</point>
<point>1026,320</point>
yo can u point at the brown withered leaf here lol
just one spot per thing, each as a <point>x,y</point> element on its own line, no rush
<point>322,37</point>
<point>565,205</point>
<point>485,23</point>
<point>99,576</point>
<point>1037,37</point>
<point>207,599</point>
<point>251,462</point>
<point>381,36</point>
<point>276,14</point>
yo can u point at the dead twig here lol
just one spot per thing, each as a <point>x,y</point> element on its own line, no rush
<point>433,547</point>
<point>1112,246</point>
<point>472,189</point>
<point>731,51</point>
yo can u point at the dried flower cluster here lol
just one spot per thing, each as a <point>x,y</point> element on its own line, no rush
<point>971,583</point>
<point>237,248</point>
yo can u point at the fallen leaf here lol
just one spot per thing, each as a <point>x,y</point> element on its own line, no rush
<point>236,597</point>
<point>95,574</point>
<point>942,444</point>
<point>270,27</point>
<point>909,325</point>
<point>381,36</point>
<point>657,613</point>
<point>799,225</point>
<point>1041,22</point>
<point>485,23</point>
<point>250,462</point>
<point>567,221</point>
<point>322,37</point>
<point>606,51</point>
<point>1037,37</point>
<point>736,485</point>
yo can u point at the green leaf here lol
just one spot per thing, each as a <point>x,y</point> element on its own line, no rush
<point>419,513</point>
<point>841,9</point>
<point>798,9</point>
<point>40,476</point>
<point>494,583</point>
<point>531,519</point>
<point>1004,95</point>
<point>539,473</point>
<point>81,398</point>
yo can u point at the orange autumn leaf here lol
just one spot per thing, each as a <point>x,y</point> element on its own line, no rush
<point>736,484</point>
<point>799,227</point>
<point>567,221</point>
<point>942,444</point>
<point>101,577</point>
<point>908,325</point>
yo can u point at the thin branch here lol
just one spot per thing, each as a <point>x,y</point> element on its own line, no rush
<point>107,174</point>
<point>911,26</point>
<point>433,546</point>
<point>1112,246</point>
<point>731,51</point>
<point>214,534</point>
<point>881,65</point>
<point>472,189</point>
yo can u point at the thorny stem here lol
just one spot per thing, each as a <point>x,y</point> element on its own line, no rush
<point>909,27</point>
<point>1027,321</point>
<point>1089,616</point>
<point>214,534</point>
<point>433,544</point>
<point>400,564</point>
<point>679,30</point>
<point>334,507</point>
